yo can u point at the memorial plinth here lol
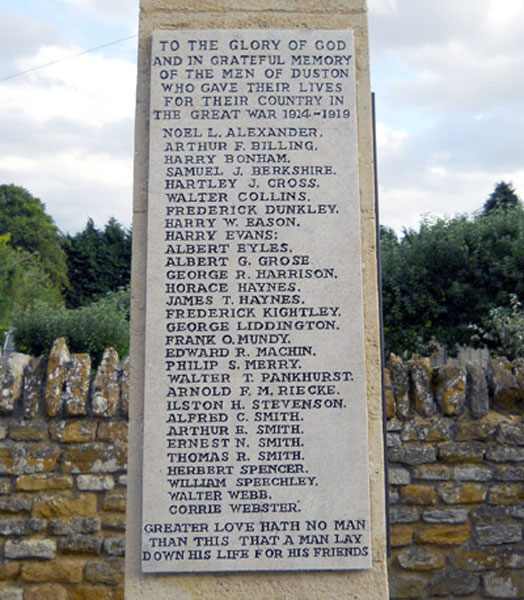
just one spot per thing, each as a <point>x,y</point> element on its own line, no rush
<point>256,380</point>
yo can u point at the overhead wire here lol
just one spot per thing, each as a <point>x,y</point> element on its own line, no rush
<point>59,60</point>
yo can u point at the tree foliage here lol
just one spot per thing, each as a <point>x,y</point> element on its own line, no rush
<point>99,261</point>
<point>502,197</point>
<point>503,330</point>
<point>440,282</point>
<point>33,231</point>
<point>88,329</point>
<point>22,278</point>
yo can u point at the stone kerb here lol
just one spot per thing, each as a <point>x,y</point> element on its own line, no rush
<point>63,465</point>
<point>456,475</point>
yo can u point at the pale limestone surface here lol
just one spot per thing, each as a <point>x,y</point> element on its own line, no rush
<point>359,585</point>
<point>323,490</point>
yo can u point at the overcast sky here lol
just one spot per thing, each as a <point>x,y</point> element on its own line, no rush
<point>447,75</point>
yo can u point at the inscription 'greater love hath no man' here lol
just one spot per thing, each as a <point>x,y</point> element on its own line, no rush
<point>255,443</point>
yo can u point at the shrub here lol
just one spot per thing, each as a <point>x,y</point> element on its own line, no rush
<point>503,330</point>
<point>89,329</point>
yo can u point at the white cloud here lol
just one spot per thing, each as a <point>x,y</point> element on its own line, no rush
<point>382,7</point>
<point>449,91</point>
<point>69,129</point>
<point>87,88</point>
<point>114,11</point>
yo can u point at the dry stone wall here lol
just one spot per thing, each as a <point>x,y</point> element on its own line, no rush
<point>63,449</point>
<point>456,474</point>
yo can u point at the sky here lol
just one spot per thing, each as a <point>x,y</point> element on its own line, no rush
<point>447,77</point>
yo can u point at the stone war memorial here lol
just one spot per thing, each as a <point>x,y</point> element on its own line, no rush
<point>256,453</point>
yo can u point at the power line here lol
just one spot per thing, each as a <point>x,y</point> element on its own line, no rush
<point>54,62</point>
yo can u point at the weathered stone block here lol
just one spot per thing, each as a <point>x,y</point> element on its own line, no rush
<point>505,454</point>
<point>420,374</point>
<point>115,546</point>
<point>96,457</point>
<point>37,458</point>
<point>504,493</point>
<point>11,593</point>
<point>109,431</point>
<point>445,515</point>
<point>6,485</point>
<point>69,432</point>
<point>399,476</point>
<point>509,473</point>
<point>472,473</point>
<point>7,458</point>
<point>114,501</point>
<point>43,482</point>
<point>389,396</point>
<point>399,382</point>
<point>115,521</point>
<point>92,592</point>
<point>477,393</point>
<point>14,526</point>
<point>51,591</point>
<point>74,526</point>
<point>499,533</point>
<point>409,585</point>
<point>57,364</point>
<point>472,559</point>
<point>393,440</point>
<point>80,544</point>
<point>11,377</point>
<point>436,430</point>
<point>514,561</point>
<point>456,452</point>
<point>456,584</point>
<point>450,385</point>
<point>518,365</point>
<point>28,432</point>
<point>31,548</point>
<point>33,387</point>
<point>60,505</point>
<point>109,572</point>
<point>106,389</point>
<point>503,383</point>
<point>413,454</point>
<point>443,534</point>
<point>433,473</point>
<point>418,494</point>
<point>76,390</point>
<point>510,434</point>
<point>393,495</point>
<point>401,535</point>
<point>95,483</point>
<point>15,504</point>
<point>475,430</point>
<point>501,585</point>
<point>9,570</point>
<point>62,570</point>
<point>421,559</point>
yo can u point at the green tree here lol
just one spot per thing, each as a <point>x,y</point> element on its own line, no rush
<point>440,282</point>
<point>22,279</point>
<point>99,261</point>
<point>502,197</point>
<point>23,216</point>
